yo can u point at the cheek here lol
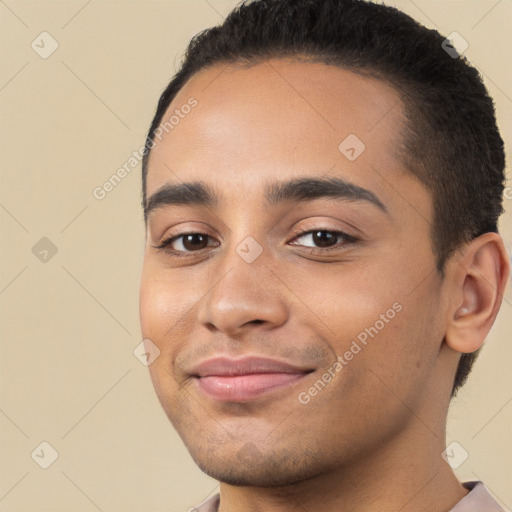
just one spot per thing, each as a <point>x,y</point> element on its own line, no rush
<point>158,318</point>
<point>161,304</point>
<point>382,320</point>
<point>402,353</point>
<point>168,314</point>
<point>153,308</point>
<point>346,300</point>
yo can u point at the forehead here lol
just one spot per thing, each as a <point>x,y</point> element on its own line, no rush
<point>279,117</point>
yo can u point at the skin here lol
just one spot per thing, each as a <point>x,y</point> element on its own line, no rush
<point>372,438</point>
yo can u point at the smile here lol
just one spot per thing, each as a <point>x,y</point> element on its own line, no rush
<point>239,380</point>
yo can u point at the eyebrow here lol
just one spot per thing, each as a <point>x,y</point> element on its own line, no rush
<point>199,193</point>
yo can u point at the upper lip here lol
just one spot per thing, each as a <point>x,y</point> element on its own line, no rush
<point>227,366</point>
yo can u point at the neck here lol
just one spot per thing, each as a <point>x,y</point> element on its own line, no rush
<point>406,473</point>
<point>398,477</point>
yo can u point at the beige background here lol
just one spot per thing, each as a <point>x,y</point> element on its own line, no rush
<point>69,325</point>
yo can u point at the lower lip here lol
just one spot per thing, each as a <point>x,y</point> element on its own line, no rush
<point>240,388</point>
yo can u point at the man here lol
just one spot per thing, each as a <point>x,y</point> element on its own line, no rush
<point>321,191</point>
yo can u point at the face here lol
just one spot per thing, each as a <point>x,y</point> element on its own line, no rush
<point>298,325</point>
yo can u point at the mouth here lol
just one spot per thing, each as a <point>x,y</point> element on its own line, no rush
<point>240,380</point>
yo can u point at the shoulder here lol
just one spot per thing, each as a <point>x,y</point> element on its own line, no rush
<point>477,500</point>
<point>209,505</point>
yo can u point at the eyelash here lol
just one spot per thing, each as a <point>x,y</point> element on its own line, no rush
<point>348,240</point>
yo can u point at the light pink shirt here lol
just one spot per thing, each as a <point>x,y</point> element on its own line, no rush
<point>477,500</point>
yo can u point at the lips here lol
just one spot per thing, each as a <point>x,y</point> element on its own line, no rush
<point>238,380</point>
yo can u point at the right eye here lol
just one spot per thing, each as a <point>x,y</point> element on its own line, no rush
<point>186,242</point>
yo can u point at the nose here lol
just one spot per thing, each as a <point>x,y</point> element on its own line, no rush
<point>243,295</point>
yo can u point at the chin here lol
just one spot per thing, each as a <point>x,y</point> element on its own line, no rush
<point>250,468</point>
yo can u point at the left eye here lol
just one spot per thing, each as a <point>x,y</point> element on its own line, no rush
<point>325,239</point>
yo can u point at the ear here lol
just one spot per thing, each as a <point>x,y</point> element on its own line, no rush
<point>477,276</point>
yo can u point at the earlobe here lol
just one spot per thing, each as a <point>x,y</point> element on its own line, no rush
<point>478,276</point>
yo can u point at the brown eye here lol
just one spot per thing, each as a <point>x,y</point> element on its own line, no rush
<point>325,238</point>
<point>184,244</point>
<point>194,241</point>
